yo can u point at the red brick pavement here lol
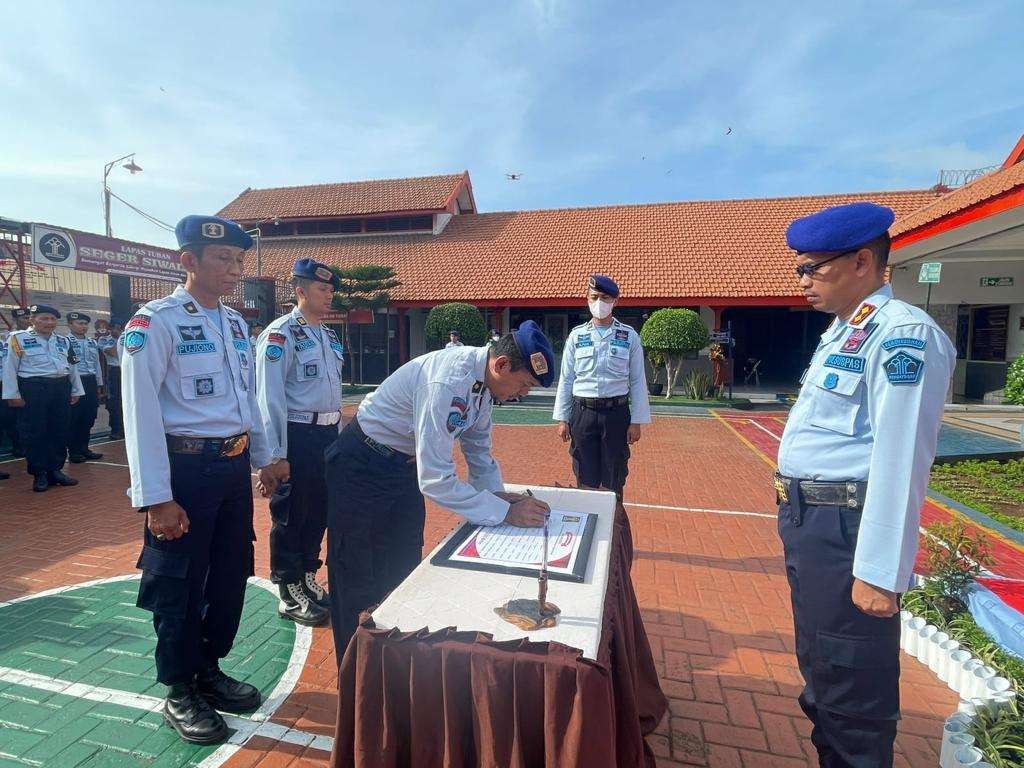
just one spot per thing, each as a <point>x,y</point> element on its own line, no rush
<point>711,587</point>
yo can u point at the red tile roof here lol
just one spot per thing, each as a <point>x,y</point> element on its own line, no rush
<point>354,198</point>
<point>978,191</point>
<point>707,249</point>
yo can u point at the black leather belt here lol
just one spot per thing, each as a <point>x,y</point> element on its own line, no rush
<point>850,494</point>
<point>601,403</point>
<point>386,451</point>
<point>221,446</point>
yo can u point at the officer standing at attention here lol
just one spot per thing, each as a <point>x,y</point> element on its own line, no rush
<point>41,376</point>
<point>254,333</point>
<point>454,340</point>
<point>83,413</point>
<point>298,383</point>
<point>398,449</point>
<point>112,358</point>
<point>192,430</point>
<point>853,470</point>
<point>11,418</point>
<point>602,392</point>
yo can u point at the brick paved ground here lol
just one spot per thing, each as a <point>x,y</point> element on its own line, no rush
<point>710,584</point>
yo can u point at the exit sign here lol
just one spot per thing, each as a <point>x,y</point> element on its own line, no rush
<point>930,272</point>
<point>996,282</point>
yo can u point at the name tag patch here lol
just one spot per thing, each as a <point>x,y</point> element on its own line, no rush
<point>195,348</point>
<point>845,363</point>
<point>307,344</point>
<point>903,369</point>
<point>584,340</point>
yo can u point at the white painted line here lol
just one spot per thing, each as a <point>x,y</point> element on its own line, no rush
<point>699,509</point>
<point>765,430</point>
<point>256,724</point>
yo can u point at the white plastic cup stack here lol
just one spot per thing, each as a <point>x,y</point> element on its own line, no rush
<point>935,650</point>
<point>956,660</point>
<point>924,641</point>
<point>965,756</point>
<point>967,708</point>
<point>944,666</point>
<point>911,633</point>
<point>978,684</point>
<point>954,736</point>
<point>965,677</point>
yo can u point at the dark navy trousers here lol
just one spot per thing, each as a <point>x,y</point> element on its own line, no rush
<point>45,418</point>
<point>375,514</point>
<point>599,450</point>
<point>195,585</point>
<point>83,416</point>
<point>298,525</point>
<point>849,660</point>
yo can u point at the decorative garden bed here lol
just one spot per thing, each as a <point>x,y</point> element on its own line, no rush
<point>991,487</point>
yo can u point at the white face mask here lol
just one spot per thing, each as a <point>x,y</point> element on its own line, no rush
<point>600,309</point>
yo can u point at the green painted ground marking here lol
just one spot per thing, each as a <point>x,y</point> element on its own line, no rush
<point>94,636</point>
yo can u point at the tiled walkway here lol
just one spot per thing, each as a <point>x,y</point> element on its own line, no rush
<point>708,574</point>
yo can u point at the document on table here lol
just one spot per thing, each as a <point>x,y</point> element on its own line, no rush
<point>511,549</point>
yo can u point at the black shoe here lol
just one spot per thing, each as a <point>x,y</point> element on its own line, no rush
<point>59,478</point>
<point>191,715</point>
<point>92,456</point>
<point>40,484</point>
<point>296,605</point>
<point>77,458</point>
<point>226,693</point>
<point>4,476</point>
<point>316,592</point>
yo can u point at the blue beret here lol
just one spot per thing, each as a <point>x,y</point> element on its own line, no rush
<point>536,351</point>
<point>195,231</point>
<point>20,312</point>
<point>43,309</point>
<point>314,270</point>
<point>840,228</point>
<point>79,316</point>
<point>604,285</point>
<point>453,332</point>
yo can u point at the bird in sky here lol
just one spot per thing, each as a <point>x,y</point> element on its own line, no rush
<point>728,131</point>
<point>513,176</point>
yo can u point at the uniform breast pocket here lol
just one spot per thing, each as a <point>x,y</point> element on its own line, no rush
<point>585,360</point>
<point>618,360</point>
<point>309,367</point>
<point>837,401</point>
<point>202,377</point>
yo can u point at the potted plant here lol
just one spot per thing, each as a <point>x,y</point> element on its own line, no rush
<point>668,336</point>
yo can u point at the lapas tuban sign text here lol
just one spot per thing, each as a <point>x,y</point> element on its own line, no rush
<point>71,249</point>
<point>996,282</point>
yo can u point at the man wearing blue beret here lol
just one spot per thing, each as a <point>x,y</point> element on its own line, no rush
<point>399,449</point>
<point>602,398</point>
<point>853,471</point>
<point>192,431</point>
<point>83,413</point>
<point>40,375</point>
<point>298,376</point>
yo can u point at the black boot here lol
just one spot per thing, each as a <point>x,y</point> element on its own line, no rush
<point>191,715</point>
<point>92,455</point>
<point>226,693</point>
<point>59,478</point>
<point>296,605</point>
<point>40,484</point>
<point>316,592</point>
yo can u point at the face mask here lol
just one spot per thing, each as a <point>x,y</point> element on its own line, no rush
<point>600,309</point>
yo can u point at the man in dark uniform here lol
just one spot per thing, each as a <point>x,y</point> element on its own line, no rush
<point>853,470</point>
<point>40,375</point>
<point>602,397</point>
<point>112,359</point>
<point>90,370</point>
<point>192,431</point>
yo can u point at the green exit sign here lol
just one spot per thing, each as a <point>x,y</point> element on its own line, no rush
<point>930,272</point>
<point>996,282</point>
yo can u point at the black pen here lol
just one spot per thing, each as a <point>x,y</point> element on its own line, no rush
<point>542,581</point>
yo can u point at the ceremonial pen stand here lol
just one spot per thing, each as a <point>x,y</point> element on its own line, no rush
<point>530,615</point>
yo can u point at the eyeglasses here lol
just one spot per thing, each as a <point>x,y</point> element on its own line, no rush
<point>808,270</point>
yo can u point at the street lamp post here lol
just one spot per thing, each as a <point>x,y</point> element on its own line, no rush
<point>118,286</point>
<point>259,236</point>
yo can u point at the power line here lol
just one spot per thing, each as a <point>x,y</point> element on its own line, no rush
<point>143,214</point>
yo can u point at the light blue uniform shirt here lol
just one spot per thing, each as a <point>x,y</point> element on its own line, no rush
<point>870,409</point>
<point>88,353</point>
<point>422,409</point>
<point>182,375</point>
<point>298,375</point>
<point>603,362</point>
<point>31,355</point>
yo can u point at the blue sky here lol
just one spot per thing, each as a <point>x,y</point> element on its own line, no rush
<point>593,102</point>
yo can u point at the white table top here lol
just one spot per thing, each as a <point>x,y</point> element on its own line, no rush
<point>438,597</point>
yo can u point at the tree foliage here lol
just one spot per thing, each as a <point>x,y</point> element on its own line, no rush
<point>1015,382</point>
<point>366,286</point>
<point>669,335</point>
<point>456,316</point>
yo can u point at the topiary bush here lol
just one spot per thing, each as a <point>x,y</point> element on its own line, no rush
<point>456,316</point>
<point>1015,382</point>
<point>668,336</point>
